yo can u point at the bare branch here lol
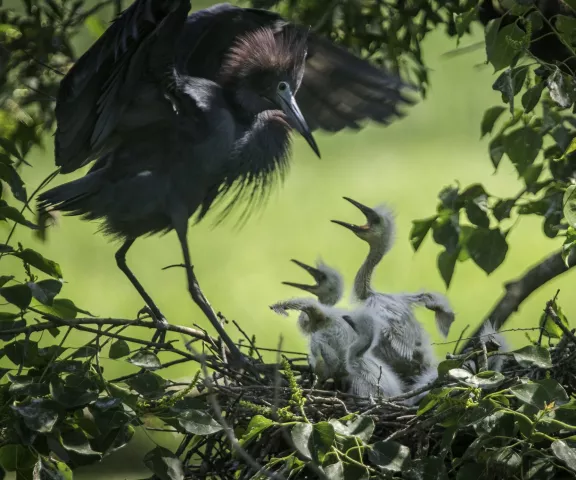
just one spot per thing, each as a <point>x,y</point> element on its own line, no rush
<point>518,290</point>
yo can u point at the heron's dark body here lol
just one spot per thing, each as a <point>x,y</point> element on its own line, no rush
<point>112,106</point>
<point>150,170</point>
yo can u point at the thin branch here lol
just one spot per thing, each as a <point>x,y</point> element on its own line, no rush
<point>518,290</point>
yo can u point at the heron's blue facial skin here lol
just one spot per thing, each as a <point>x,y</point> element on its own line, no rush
<point>287,103</point>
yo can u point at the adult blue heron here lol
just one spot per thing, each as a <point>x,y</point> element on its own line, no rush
<point>179,110</point>
<point>404,343</point>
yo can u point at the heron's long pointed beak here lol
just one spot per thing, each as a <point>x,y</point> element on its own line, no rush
<point>292,111</point>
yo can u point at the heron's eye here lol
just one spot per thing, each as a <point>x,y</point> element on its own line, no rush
<point>283,87</point>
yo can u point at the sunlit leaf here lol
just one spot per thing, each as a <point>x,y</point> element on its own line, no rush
<point>419,231</point>
<point>489,119</point>
<point>533,355</point>
<point>198,422</point>
<point>145,359</point>
<point>389,455</point>
<point>36,260</point>
<point>564,453</point>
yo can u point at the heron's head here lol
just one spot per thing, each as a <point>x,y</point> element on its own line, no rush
<point>329,284</point>
<point>264,69</point>
<point>379,227</point>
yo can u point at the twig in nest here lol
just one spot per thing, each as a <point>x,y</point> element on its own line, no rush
<point>228,431</point>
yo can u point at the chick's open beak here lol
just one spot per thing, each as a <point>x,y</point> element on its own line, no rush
<point>367,211</point>
<point>292,111</point>
<point>316,274</point>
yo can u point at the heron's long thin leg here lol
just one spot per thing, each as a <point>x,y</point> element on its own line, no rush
<point>198,296</point>
<point>159,319</point>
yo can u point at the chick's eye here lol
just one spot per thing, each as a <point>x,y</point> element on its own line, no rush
<point>282,86</point>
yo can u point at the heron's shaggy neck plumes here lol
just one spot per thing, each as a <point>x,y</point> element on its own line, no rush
<point>379,245</point>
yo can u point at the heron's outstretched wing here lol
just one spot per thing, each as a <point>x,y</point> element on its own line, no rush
<point>96,91</point>
<point>339,90</point>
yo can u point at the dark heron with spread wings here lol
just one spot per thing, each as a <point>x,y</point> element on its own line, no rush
<point>179,111</point>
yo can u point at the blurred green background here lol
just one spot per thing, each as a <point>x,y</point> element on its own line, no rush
<point>240,270</point>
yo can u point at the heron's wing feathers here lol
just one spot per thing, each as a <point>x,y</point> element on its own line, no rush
<point>97,89</point>
<point>340,90</point>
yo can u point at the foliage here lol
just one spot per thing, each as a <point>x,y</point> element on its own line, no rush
<point>59,408</point>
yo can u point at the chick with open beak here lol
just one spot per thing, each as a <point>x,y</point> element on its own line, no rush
<point>329,284</point>
<point>328,335</point>
<point>403,342</point>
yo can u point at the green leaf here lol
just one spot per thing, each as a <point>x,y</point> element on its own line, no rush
<point>16,457</point>
<point>476,212</point>
<point>10,213</point>
<point>509,83</point>
<point>22,352</point>
<point>19,295</point>
<point>301,433</point>
<point>391,456</point>
<point>419,231</point>
<point>522,147</point>
<point>533,355</point>
<point>54,470</point>
<point>11,177</point>
<point>45,290</point>
<point>446,263</point>
<point>531,394</point>
<point>198,422</point>
<point>63,308</point>
<point>71,396</point>
<point>507,44</point>
<point>556,392</point>
<point>503,208</point>
<point>257,425</point>
<point>163,463</point>
<point>564,453</point>
<point>335,471</point>
<point>362,427</point>
<point>39,414</point>
<point>147,384</point>
<point>145,359</point>
<point>470,471</point>
<point>489,119</point>
<point>532,96</point>
<point>38,261</point>
<point>119,349</point>
<point>10,148</point>
<point>561,89</point>
<point>76,441</point>
<point>321,441</point>
<point>569,205</point>
<point>487,248</point>
<point>496,149</point>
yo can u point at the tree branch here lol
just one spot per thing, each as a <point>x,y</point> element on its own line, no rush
<point>518,290</point>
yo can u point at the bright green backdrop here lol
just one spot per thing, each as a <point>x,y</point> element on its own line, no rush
<point>404,165</point>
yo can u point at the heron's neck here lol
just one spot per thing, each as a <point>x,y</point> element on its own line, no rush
<point>330,298</point>
<point>363,280</point>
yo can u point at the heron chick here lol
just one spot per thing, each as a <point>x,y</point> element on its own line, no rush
<point>329,336</point>
<point>403,342</point>
<point>368,375</point>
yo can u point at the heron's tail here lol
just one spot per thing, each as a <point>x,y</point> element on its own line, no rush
<point>70,197</point>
